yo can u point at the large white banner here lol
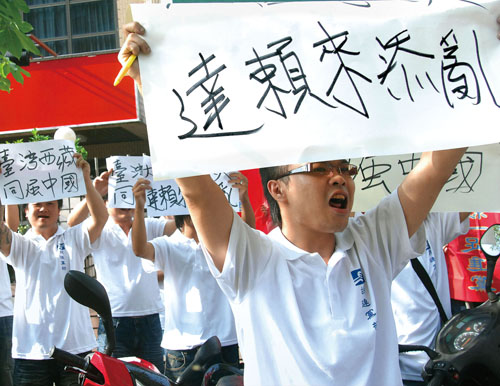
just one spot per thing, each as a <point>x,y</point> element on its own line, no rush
<point>39,171</point>
<point>234,86</point>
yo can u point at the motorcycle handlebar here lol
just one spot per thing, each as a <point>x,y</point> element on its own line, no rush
<point>437,379</point>
<point>77,362</point>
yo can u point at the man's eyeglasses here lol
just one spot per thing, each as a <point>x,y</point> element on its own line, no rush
<point>324,169</point>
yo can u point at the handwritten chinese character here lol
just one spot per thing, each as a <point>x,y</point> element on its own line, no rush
<point>396,44</point>
<point>213,101</point>
<point>466,174</point>
<point>372,172</point>
<point>343,71</point>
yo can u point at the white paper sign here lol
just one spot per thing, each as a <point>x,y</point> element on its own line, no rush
<point>235,86</point>
<point>165,197</point>
<point>126,171</point>
<point>39,171</point>
<point>473,187</point>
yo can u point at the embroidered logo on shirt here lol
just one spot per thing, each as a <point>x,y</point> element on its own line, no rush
<point>357,277</point>
<point>61,248</point>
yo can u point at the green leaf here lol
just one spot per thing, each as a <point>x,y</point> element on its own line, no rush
<point>5,84</point>
<point>25,27</point>
<point>80,149</point>
<point>30,46</point>
<point>24,72</point>
<point>38,137</point>
<point>13,44</point>
<point>4,69</point>
<point>21,5</point>
<point>9,11</point>
<point>18,76</point>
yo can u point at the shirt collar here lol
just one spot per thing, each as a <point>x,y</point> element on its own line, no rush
<point>343,242</point>
<point>30,234</point>
<point>293,252</point>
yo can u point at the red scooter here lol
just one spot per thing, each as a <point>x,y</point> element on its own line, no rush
<point>100,369</point>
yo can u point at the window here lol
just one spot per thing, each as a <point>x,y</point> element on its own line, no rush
<point>74,26</point>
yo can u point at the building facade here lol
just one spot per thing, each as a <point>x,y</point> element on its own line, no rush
<point>75,88</point>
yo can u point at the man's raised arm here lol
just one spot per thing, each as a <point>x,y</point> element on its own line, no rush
<point>97,208</point>
<point>420,189</point>
<point>140,244</point>
<point>211,213</point>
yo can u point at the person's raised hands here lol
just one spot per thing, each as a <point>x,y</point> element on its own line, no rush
<point>82,164</point>
<point>101,182</point>
<point>139,191</point>
<point>136,45</point>
<point>238,180</point>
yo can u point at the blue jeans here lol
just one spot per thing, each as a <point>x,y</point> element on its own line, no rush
<point>177,360</point>
<point>6,362</point>
<point>46,372</point>
<point>136,336</point>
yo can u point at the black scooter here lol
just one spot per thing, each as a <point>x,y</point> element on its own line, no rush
<point>100,369</point>
<point>467,349</point>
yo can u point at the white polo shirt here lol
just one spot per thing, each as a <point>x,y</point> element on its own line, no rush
<point>44,314</point>
<point>417,317</point>
<point>303,322</point>
<point>130,281</point>
<point>6,305</point>
<point>195,307</point>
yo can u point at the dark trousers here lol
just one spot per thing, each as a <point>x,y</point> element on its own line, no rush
<point>136,336</point>
<point>46,372</point>
<point>6,362</point>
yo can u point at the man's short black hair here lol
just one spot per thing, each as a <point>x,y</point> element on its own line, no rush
<point>266,175</point>
<point>180,220</point>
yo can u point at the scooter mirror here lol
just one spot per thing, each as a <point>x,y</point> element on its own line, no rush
<point>490,241</point>
<point>490,246</point>
<point>89,292</point>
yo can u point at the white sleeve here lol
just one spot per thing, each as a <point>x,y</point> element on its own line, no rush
<point>249,253</point>
<point>383,233</point>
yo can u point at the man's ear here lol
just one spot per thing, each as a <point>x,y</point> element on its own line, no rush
<point>277,190</point>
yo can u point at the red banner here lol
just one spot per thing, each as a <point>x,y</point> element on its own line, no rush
<point>467,264</point>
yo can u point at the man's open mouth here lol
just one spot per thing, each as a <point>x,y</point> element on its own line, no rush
<point>338,201</point>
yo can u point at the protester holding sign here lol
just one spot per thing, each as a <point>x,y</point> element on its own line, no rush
<point>195,307</point>
<point>133,292</point>
<point>6,306</point>
<point>312,301</point>
<point>44,314</point>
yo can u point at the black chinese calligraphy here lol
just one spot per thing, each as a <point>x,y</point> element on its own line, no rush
<point>372,173</point>
<point>397,46</point>
<point>38,172</point>
<point>214,101</point>
<point>165,197</point>
<point>459,78</point>
<point>467,173</point>
<point>290,64</point>
<point>221,179</point>
<point>337,50</point>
